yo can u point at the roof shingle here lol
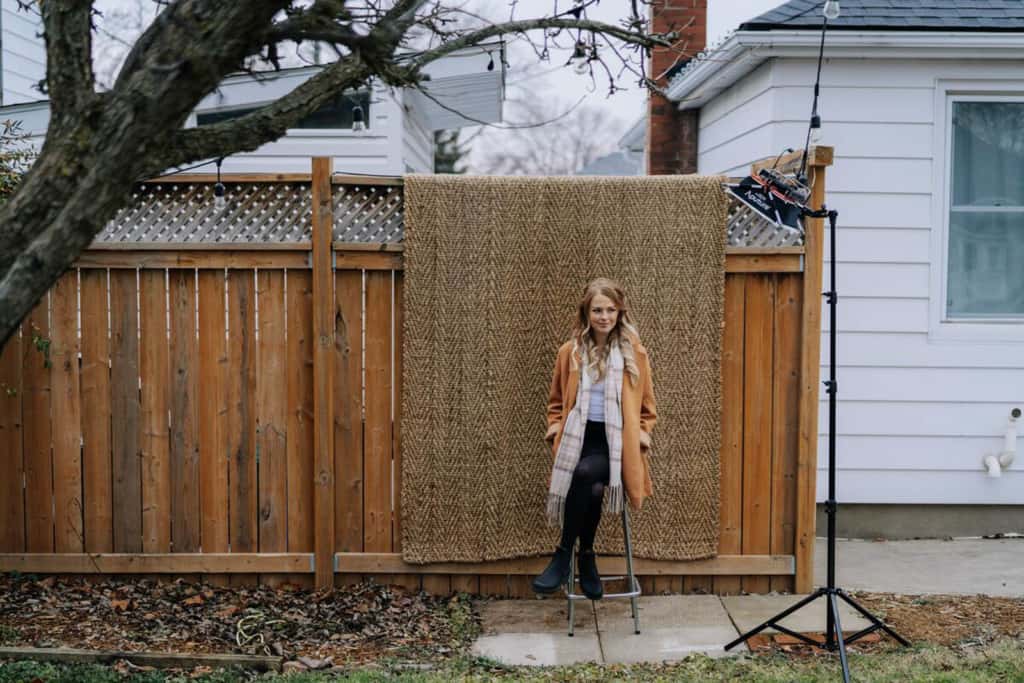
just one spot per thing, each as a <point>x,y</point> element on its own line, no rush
<point>897,15</point>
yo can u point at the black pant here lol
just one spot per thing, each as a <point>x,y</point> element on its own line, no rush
<point>586,493</point>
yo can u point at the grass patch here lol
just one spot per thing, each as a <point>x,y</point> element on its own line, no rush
<point>999,662</point>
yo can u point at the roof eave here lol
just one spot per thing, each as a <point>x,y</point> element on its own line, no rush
<point>746,50</point>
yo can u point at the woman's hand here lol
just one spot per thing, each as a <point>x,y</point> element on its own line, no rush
<point>645,441</point>
<point>552,433</point>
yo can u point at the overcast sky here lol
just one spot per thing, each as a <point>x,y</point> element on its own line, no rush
<point>564,87</point>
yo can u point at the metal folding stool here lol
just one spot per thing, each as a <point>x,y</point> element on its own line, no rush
<point>633,586</point>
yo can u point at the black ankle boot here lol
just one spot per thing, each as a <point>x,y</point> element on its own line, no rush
<point>556,573</point>
<point>590,580</point>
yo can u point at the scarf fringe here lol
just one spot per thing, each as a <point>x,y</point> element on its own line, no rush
<point>556,510</point>
<point>614,499</point>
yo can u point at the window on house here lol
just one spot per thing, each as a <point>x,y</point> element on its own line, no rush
<point>985,277</point>
<point>336,113</point>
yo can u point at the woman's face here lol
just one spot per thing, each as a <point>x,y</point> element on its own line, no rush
<point>603,315</point>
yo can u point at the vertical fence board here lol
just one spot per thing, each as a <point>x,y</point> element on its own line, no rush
<point>377,447</point>
<point>325,482</point>
<point>300,411</point>
<point>465,583</point>
<point>757,423</point>
<point>348,413</point>
<point>12,465</point>
<point>730,540</point>
<point>95,393</point>
<point>271,421</point>
<point>36,430</point>
<point>65,382</point>
<point>212,409</point>
<point>785,420</point>
<point>185,506</point>
<point>495,585</point>
<point>124,410</point>
<point>242,413</point>
<point>154,369</point>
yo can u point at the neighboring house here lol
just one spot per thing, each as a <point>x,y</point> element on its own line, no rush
<point>400,123</point>
<point>22,53</point>
<point>627,160</point>
<point>923,102</point>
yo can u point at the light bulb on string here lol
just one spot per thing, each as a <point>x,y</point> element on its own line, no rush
<point>579,55</point>
<point>358,119</point>
<point>831,9</point>
<point>815,137</point>
<point>220,200</point>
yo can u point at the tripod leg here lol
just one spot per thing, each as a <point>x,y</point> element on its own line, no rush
<point>839,637</point>
<point>778,617</point>
<point>569,590</point>
<point>874,620</point>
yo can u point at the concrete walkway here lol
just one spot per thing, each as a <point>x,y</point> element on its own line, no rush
<point>958,567</point>
<point>534,632</point>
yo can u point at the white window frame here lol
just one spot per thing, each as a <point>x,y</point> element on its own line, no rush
<point>941,327</point>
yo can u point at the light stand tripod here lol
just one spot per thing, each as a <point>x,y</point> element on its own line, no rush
<point>833,630</point>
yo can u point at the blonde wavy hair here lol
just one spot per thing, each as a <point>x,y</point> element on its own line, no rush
<point>583,335</point>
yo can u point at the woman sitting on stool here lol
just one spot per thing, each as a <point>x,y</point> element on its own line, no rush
<point>599,425</point>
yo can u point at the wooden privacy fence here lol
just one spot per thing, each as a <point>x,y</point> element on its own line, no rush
<point>182,406</point>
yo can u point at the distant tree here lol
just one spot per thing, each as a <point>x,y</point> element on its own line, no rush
<point>450,152</point>
<point>15,158</point>
<point>555,139</point>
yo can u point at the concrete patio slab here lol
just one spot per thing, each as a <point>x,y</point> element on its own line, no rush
<point>662,611</point>
<point>539,649</point>
<point>671,628</point>
<point>990,566</point>
<point>750,611</point>
<point>550,615</point>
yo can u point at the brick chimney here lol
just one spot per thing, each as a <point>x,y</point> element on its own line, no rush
<point>672,134</point>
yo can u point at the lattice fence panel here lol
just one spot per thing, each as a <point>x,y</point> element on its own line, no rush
<point>186,213</point>
<point>369,213</point>
<point>280,212</point>
<point>746,228</point>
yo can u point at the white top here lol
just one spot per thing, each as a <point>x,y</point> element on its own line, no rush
<point>595,410</point>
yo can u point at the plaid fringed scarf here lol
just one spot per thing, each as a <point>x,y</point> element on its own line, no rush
<point>571,445</point>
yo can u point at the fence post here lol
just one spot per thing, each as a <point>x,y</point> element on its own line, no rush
<point>323,373</point>
<point>810,365</point>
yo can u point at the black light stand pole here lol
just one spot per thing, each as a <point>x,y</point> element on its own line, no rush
<point>833,629</point>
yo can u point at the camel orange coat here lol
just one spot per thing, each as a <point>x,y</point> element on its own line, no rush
<point>638,416</point>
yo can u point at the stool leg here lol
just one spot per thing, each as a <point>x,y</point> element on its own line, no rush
<point>569,589</point>
<point>634,585</point>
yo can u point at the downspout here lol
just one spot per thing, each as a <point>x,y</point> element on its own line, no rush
<point>995,464</point>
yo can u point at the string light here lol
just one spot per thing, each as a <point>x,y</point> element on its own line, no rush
<point>831,9</point>
<point>220,200</point>
<point>358,119</point>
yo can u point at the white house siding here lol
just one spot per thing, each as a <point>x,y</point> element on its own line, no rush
<point>376,150</point>
<point>417,144</point>
<point>22,53</point>
<point>916,413</point>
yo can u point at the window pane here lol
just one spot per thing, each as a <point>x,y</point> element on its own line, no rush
<point>337,112</point>
<point>988,153</point>
<point>986,254</point>
<point>218,116</point>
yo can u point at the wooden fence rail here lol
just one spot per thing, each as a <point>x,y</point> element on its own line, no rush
<point>234,413</point>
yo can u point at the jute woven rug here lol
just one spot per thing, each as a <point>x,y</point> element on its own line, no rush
<point>494,268</point>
